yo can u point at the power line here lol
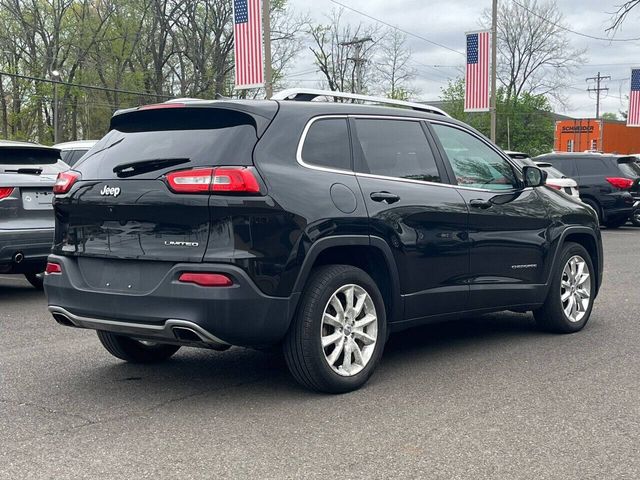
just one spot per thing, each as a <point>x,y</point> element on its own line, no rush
<point>599,78</point>
<point>397,28</point>
<point>562,27</point>
<point>89,87</point>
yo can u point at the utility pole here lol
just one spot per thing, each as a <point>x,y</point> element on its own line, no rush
<point>266,27</point>
<point>598,89</point>
<point>358,60</point>
<point>494,70</point>
<point>56,75</point>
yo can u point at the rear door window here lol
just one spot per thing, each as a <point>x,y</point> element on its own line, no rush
<point>565,165</point>
<point>591,166</point>
<point>327,144</point>
<point>396,148</point>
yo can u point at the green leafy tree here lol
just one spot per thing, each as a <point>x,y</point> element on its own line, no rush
<point>525,125</point>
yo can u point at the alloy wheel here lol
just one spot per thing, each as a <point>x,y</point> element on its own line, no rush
<point>575,288</point>
<point>349,330</point>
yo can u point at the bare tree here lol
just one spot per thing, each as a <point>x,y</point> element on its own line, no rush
<point>534,55</point>
<point>621,14</point>
<point>393,66</point>
<point>338,58</point>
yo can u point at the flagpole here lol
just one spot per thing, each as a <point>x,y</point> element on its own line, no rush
<point>494,61</point>
<point>266,26</point>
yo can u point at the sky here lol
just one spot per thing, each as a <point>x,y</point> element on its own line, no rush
<point>446,21</point>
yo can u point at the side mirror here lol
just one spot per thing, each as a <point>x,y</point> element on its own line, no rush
<point>534,176</point>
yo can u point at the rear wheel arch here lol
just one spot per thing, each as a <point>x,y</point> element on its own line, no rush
<point>371,254</point>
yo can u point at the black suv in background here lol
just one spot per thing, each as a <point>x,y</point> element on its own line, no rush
<point>321,226</point>
<point>604,181</point>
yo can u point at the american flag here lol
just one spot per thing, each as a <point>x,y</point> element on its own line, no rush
<point>247,31</point>
<point>633,118</point>
<point>476,95</point>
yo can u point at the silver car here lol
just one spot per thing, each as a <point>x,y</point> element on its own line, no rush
<point>28,172</point>
<point>71,152</point>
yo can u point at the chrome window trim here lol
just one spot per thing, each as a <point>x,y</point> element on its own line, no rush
<point>311,121</point>
<point>303,138</point>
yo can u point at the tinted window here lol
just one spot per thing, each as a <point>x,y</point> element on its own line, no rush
<point>396,148</point>
<point>66,156</point>
<point>565,165</point>
<point>28,156</point>
<point>474,163</point>
<point>552,172</point>
<point>190,137</point>
<point>629,167</point>
<point>591,166</point>
<point>327,144</point>
<point>75,156</point>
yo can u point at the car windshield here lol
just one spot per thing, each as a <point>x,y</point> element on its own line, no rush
<point>630,167</point>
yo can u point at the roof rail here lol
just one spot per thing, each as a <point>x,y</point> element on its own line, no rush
<point>306,94</point>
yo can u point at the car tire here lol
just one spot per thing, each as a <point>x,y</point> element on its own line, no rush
<point>635,217</point>
<point>360,330</point>
<point>593,204</point>
<point>135,351</point>
<point>556,315</point>
<point>35,279</point>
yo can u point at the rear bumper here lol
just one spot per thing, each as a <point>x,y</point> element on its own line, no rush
<point>237,315</point>
<point>33,244</point>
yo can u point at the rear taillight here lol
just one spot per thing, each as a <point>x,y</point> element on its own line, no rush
<point>206,279</point>
<point>621,183</point>
<point>5,192</point>
<point>191,181</point>
<point>65,181</point>
<point>234,180</point>
<point>555,187</point>
<point>53,269</point>
<point>221,179</point>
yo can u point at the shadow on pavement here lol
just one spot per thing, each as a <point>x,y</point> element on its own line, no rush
<point>209,371</point>
<point>16,288</point>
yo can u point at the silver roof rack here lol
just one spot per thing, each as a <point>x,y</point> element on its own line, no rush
<point>306,94</point>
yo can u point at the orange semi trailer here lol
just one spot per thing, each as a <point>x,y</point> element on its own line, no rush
<point>590,135</point>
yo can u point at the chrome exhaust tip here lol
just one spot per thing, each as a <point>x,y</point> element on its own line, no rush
<point>18,257</point>
<point>62,319</point>
<point>186,334</point>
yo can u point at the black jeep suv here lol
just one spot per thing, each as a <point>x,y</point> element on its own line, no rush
<point>605,182</point>
<point>321,226</point>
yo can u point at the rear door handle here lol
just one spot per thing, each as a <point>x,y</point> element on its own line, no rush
<point>384,197</point>
<point>479,203</point>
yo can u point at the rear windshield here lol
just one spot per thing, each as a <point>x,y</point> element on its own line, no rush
<point>630,167</point>
<point>28,156</point>
<point>169,139</point>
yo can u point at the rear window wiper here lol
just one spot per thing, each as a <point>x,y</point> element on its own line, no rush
<point>131,169</point>
<point>25,171</point>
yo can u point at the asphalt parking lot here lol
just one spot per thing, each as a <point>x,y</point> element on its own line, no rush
<point>488,397</point>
